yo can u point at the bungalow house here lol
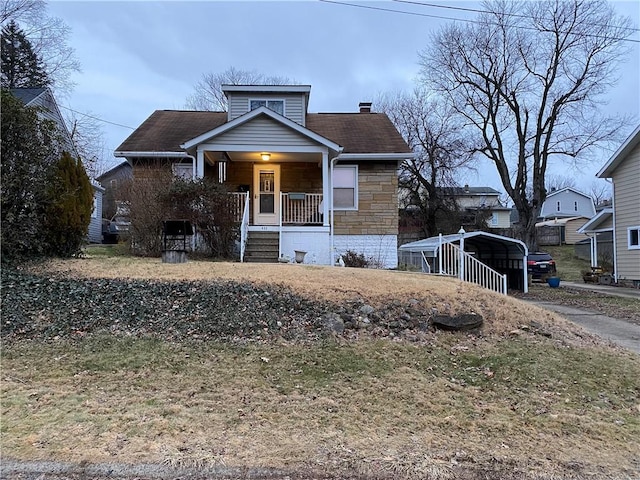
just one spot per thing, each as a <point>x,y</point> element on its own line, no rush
<point>567,202</point>
<point>113,180</point>
<point>320,183</point>
<point>623,219</point>
<point>43,99</point>
<point>480,199</point>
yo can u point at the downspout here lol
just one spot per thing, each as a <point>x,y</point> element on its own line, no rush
<point>332,162</point>
<point>615,236</point>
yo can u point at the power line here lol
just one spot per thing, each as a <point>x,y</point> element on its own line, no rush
<point>477,10</point>
<point>456,19</point>
<point>97,118</point>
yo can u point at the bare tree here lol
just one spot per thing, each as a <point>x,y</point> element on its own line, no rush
<point>88,138</point>
<point>441,149</point>
<point>528,77</point>
<point>558,182</point>
<point>600,191</point>
<point>48,36</point>
<point>208,93</point>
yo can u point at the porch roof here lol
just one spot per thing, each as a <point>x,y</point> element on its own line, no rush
<point>358,133</point>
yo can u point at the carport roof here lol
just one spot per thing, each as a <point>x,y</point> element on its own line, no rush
<point>484,242</point>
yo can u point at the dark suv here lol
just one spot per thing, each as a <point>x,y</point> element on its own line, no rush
<point>540,264</point>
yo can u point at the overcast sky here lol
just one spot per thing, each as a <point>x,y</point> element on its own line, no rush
<point>141,56</point>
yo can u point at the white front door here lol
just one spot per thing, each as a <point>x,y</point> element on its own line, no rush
<point>266,194</point>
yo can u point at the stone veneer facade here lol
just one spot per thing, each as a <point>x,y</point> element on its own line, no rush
<point>377,212</point>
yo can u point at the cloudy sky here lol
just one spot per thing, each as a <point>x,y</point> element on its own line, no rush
<point>139,56</point>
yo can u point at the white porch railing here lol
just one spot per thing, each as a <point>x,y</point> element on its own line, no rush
<point>457,263</point>
<point>301,208</point>
<point>238,204</point>
<point>244,225</point>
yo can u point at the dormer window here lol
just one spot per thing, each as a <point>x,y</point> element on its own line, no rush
<point>275,105</point>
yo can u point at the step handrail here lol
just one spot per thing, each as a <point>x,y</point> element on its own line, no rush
<point>244,227</point>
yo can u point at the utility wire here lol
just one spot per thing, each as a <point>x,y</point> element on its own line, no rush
<point>456,19</point>
<point>97,118</point>
<point>477,10</point>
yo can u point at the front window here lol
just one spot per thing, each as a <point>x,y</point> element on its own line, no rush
<point>275,105</point>
<point>633,235</point>
<point>345,187</point>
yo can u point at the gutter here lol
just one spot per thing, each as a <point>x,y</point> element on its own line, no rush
<point>126,154</point>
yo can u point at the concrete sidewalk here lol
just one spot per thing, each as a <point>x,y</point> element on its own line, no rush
<point>606,289</point>
<point>623,333</point>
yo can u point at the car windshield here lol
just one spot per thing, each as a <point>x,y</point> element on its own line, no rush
<point>539,257</point>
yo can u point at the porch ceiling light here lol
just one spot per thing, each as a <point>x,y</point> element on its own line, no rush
<point>265,156</point>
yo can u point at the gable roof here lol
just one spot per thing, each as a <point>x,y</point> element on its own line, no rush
<point>592,225</point>
<point>112,171</point>
<point>27,95</point>
<point>565,189</point>
<point>620,154</point>
<point>261,111</point>
<point>167,130</point>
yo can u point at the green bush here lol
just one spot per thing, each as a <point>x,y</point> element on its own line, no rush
<point>69,206</point>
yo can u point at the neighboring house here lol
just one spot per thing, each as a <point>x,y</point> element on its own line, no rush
<point>43,99</point>
<point>561,231</point>
<point>624,218</point>
<point>113,181</point>
<point>480,199</point>
<point>322,183</point>
<point>567,202</point>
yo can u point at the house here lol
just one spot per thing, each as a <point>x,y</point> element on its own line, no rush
<point>320,183</point>
<point>567,202</point>
<point>113,181</point>
<point>561,231</point>
<point>43,99</point>
<point>480,199</point>
<point>623,168</point>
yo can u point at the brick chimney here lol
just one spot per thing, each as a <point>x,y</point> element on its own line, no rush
<point>365,107</point>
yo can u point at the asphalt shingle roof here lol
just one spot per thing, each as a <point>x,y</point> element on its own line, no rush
<point>166,130</point>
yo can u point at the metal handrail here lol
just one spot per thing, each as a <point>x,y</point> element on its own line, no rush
<point>244,226</point>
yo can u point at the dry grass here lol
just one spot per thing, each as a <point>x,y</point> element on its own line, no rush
<point>376,287</point>
<point>508,401</point>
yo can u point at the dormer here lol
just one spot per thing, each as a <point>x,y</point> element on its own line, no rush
<point>290,101</point>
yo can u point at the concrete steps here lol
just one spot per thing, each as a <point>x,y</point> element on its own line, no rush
<point>262,247</point>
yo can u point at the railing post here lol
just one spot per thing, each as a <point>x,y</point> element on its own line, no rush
<point>461,232</point>
<point>440,254</point>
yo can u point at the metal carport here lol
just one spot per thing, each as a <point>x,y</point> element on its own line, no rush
<point>505,255</point>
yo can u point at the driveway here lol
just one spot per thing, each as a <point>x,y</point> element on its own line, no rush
<point>616,330</point>
<point>623,333</point>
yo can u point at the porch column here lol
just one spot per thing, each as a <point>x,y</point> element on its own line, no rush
<point>594,250</point>
<point>326,190</point>
<point>199,167</point>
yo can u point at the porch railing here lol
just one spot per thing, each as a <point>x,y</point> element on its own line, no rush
<point>301,208</point>
<point>244,226</point>
<point>239,204</point>
<point>467,268</point>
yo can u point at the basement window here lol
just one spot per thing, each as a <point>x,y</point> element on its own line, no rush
<point>633,236</point>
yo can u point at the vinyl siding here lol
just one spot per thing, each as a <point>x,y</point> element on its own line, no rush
<point>264,132</point>
<point>626,179</point>
<point>567,201</point>
<point>95,225</point>
<point>571,236</point>
<point>293,105</point>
